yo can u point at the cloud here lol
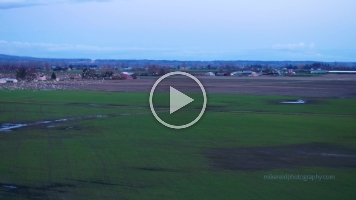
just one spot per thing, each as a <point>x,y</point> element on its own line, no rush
<point>294,47</point>
<point>50,47</point>
<point>296,51</point>
<point>10,4</point>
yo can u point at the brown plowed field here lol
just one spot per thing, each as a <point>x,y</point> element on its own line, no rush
<point>338,85</point>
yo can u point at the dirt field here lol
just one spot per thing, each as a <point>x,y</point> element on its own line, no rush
<point>331,85</point>
<point>339,86</point>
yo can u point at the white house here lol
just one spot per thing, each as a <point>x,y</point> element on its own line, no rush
<point>8,80</point>
<point>209,74</point>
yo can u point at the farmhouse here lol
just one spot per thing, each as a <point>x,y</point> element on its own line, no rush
<point>8,80</point>
<point>209,74</point>
<point>42,78</point>
<point>242,73</point>
<point>247,73</point>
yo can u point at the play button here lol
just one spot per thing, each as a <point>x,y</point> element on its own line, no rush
<point>178,100</point>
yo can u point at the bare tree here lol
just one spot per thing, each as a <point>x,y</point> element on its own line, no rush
<point>31,74</point>
<point>107,71</point>
<point>47,66</point>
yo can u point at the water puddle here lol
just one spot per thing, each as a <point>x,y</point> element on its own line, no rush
<point>299,101</point>
<point>9,186</point>
<point>99,105</point>
<point>10,126</point>
<point>6,127</point>
<point>60,120</point>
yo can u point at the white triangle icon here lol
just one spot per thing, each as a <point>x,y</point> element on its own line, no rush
<point>177,100</point>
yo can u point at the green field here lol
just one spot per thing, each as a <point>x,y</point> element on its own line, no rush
<point>124,153</point>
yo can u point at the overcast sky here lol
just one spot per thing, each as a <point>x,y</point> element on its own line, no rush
<point>319,30</point>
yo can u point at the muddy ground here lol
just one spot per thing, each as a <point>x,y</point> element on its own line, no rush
<point>283,157</point>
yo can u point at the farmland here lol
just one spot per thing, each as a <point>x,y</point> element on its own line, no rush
<point>107,145</point>
<point>327,86</point>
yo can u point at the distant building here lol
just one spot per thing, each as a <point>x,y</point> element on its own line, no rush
<point>8,80</point>
<point>242,73</point>
<point>321,71</point>
<point>60,69</point>
<point>209,74</point>
<point>127,73</point>
<point>239,73</point>
<point>342,72</point>
<point>42,78</point>
<point>247,73</point>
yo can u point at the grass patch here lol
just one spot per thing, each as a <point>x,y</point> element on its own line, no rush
<point>135,157</point>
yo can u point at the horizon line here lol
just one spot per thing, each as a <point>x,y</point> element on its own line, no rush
<point>78,58</point>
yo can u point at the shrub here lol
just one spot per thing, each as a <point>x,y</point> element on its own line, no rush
<point>118,77</point>
<point>21,73</point>
<point>53,76</point>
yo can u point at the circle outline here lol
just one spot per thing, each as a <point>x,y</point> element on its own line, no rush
<point>170,125</point>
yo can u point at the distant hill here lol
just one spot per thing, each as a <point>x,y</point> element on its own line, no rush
<point>143,62</point>
<point>11,58</point>
<point>4,57</point>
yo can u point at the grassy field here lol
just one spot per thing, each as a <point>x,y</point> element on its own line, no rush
<point>126,154</point>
